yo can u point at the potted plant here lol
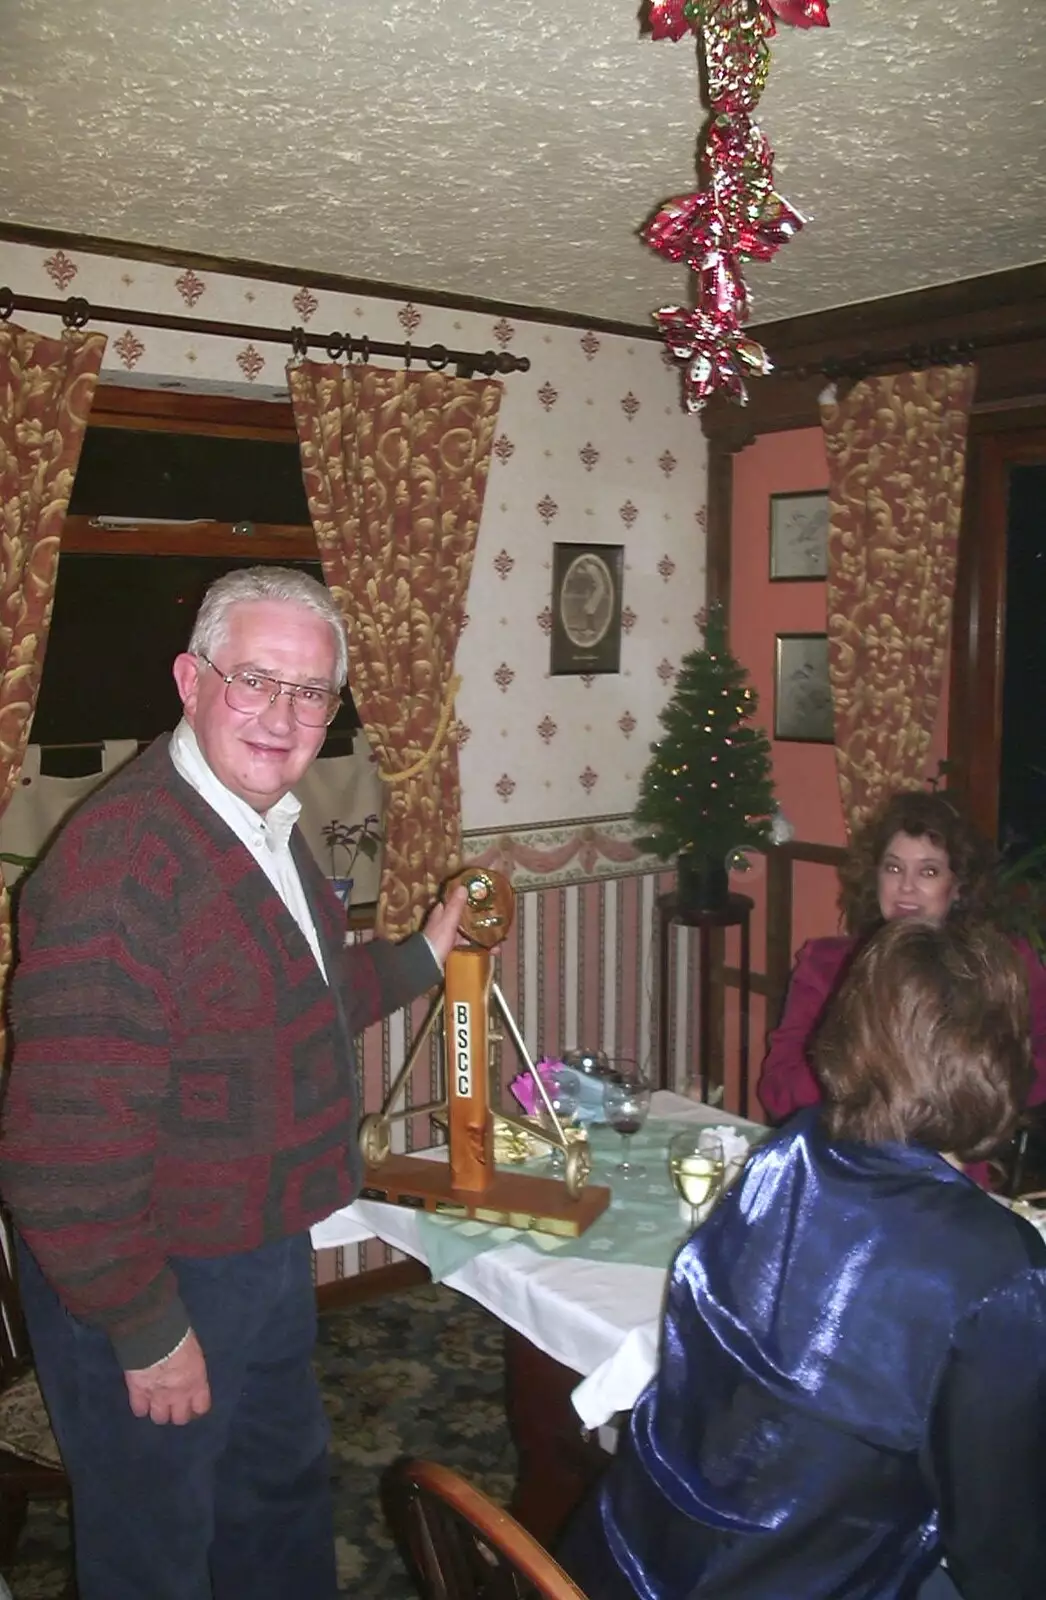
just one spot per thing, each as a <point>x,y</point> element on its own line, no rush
<point>707,791</point>
<point>347,841</point>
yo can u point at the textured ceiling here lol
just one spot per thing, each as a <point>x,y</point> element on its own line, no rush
<point>510,149</point>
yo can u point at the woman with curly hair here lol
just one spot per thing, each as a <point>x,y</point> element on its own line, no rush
<point>917,857</point>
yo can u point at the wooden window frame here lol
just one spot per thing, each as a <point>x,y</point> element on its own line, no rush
<point>215,416</point>
<point>998,442</point>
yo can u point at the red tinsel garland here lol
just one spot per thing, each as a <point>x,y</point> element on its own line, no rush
<point>737,215</point>
<point>671,19</point>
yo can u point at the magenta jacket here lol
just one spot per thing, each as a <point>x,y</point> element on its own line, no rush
<point>786,1081</point>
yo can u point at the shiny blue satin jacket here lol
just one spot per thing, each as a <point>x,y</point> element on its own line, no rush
<point>852,1384</point>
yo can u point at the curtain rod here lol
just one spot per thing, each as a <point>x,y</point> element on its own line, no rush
<point>76,312</point>
<point>912,357</point>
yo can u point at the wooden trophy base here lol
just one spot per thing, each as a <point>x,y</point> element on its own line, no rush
<point>512,1200</point>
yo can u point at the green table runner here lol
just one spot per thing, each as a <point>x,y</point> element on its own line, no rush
<point>641,1226</point>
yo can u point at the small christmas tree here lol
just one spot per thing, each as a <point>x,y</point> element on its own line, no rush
<point>708,789</point>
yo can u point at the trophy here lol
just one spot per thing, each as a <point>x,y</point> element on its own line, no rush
<point>470,1185</point>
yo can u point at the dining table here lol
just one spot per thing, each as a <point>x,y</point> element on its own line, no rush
<point>581,1316</point>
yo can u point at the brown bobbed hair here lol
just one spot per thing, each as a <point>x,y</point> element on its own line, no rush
<point>921,814</point>
<point>927,1041</point>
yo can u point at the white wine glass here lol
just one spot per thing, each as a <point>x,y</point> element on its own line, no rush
<point>697,1163</point>
<point>626,1101</point>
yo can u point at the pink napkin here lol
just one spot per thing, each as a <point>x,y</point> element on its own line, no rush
<point>525,1091</point>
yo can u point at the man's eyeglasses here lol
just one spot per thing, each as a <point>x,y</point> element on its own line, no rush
<point>249,691</point>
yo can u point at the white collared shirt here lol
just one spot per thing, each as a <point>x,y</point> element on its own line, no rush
<point>265,833</point>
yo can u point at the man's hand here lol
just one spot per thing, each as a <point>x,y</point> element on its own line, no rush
<point>174,1389</point>
<point>441,924</point>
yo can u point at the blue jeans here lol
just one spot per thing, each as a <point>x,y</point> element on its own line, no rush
<point>235,1505</point>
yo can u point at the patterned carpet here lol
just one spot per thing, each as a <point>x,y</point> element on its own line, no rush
<point>419,1372</point>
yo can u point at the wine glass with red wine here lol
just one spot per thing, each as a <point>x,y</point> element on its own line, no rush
<point>626,1102</point>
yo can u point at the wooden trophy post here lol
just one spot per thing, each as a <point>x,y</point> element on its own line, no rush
<point>469,1184</point>
<point>465,1014</point>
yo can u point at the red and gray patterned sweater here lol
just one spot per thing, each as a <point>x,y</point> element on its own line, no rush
<point>181,1083</point>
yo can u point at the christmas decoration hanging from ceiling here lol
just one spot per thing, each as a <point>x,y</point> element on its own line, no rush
<point>736,216</point>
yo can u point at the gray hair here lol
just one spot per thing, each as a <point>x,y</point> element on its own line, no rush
<point>210,630</point>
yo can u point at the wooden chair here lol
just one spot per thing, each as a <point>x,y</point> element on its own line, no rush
<point>461,1545</point>
<point>1023,1164</point>
<point>30,1466</point>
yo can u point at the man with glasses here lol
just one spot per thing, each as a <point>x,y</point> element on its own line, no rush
<point>182,1106</point>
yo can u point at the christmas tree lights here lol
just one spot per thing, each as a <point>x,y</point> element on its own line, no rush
<point>708,788</point>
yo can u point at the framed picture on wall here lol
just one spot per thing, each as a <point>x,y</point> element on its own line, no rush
<point>802,692</point>
<point>586,607</point>
<point>799,536</point>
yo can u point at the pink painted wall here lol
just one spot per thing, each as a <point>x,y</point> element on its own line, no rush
<point>807,788</point>
<point>804,774</point>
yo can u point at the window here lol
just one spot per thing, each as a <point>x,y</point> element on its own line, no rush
<point>171,492</point>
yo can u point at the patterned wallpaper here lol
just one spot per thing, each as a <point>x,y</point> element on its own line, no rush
<point>591,446</point>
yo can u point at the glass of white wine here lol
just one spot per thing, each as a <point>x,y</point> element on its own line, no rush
<point>697,1163</point>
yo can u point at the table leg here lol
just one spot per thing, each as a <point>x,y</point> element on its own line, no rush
<point>557,1464</point>
<point>705,1019</point>
<point>745,1000</point>
<point>663,930</point>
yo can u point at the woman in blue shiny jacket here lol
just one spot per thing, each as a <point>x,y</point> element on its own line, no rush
<point>852,1384</point>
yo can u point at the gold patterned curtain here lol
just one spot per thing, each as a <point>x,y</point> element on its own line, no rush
<point>46,389</point>
<point>896,460</point>
<point>395,465</point>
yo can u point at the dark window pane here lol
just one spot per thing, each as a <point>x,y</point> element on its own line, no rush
<point>119,621</point>
<point>126,472</point>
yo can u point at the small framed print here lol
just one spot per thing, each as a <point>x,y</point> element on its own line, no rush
<point>802,691</point>
<point>798,536</point>
<point>586,608</point>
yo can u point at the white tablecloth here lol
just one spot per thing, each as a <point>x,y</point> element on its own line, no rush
<point>600,1319</point>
